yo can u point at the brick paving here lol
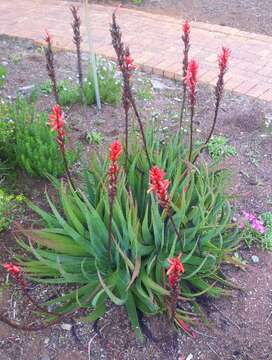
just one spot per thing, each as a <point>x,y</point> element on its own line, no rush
<point>154,40</point>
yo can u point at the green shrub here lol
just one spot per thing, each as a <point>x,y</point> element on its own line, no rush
<point>36,148</point>
<point>219,148</point>
<point>8,204</point>
<point>68,93</point>
<point>7,132</point>
<point>73,245</point>
<point>109,85</point>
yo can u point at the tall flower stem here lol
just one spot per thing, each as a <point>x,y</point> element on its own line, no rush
<point>186,41</point>
<point>140,123</point>
<point>191,81</point>
<point>56,121</point>
<point>50,65</point>
<point>223,59</point>
<point>125,63</point>
<point>115,152</point>
<point>77,39</point>
<point>67,171</point>
<point>191,133</point>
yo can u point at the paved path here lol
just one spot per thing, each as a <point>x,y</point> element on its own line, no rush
<point>154,41</point>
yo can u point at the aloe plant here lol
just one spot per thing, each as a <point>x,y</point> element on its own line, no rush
<point>72,248</point>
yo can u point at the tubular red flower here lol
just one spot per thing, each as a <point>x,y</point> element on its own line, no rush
<point>223,59</point>
<point>115,150</point>
<point>175,270</point>
<point>56,122</point>
<point>159,185</point>
<point>186,28</point>
<point>14,270</point>
<point>16,273</point>
<point>191,79</point>
<point>129,63</point>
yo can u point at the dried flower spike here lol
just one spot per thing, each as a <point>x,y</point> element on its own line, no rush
<point>186,42</point>
<point>50,64</point>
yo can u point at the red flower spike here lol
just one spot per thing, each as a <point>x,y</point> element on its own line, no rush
<point>115,150</point>
<point>175,270</point>
<point>16,273</point>
<point>223,59</point>
<point>191,79</point>
<point>159,185</point>
<point>129,63</point>
<point>12,269</point>
<point>56,121</point>
<point>186,28</point>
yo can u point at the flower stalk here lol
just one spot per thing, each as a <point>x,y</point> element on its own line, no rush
<point>186,41</point>
<point>126,66</point>
<point>56,122</point>
<point>115,152</point>
<point>191,81</point>
<point>223,59</point>
<point>50,65</point>
<point>77,39</point>
<point>159,186</point>
<point>174,272</point>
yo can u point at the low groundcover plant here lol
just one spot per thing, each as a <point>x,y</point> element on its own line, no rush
<point>147,228</point>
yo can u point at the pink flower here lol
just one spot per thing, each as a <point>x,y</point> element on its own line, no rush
<point>255,223</point>
<point>159,185</point>
<point>191,79</point>
<point>223,59</point>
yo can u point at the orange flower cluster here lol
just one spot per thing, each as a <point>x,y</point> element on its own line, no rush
<point>159,185</point>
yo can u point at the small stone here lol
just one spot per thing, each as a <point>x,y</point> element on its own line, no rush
<point>189,357</point>
<point>255,259</point>
<point>159,85</point>
<point>66,327</point>
<point>44,357</point>
<point>46,341</point>
<point>25,89</point>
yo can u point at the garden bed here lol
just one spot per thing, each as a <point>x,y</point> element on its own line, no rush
<point>241,328</point>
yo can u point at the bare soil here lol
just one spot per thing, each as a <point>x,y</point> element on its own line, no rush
<point>241,325</point>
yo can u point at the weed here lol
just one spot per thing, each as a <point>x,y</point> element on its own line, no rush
<point>145,92</point>
<point>219,148</point>
<point>3,74</point>
<point>94,137</point>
